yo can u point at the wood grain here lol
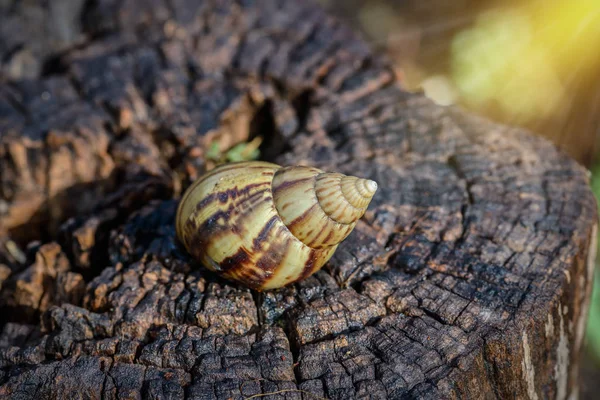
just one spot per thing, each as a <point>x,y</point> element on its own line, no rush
<point>469,277</point>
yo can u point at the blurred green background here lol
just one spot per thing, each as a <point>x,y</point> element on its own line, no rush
<point>530,63</point>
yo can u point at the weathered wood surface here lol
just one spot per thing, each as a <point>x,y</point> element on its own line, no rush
<point>469,277</point>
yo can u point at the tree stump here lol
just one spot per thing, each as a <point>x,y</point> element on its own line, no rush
<point>469,277</point>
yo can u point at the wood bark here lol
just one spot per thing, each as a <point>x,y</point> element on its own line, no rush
<point>469,277</point>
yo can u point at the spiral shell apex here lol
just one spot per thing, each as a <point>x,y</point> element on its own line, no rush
<point>267,226</point>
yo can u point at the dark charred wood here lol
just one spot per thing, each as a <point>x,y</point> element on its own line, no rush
<point>33,33</point>
<point>46,282</point>
<point>469,276</point>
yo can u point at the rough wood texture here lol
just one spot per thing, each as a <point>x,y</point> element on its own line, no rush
<point>469,277</point>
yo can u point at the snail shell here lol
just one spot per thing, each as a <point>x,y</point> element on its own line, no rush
<point>267,226</point>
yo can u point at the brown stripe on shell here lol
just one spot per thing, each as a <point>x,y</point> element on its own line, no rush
<point>197,237</point>
<point>231,193</point>
<point>309,265</point>
<point>318,240</point>
<point>343,230</point>
<point>208,199</point>
<point>289,184</point>
<point>302,217</point>
<point>271,259</point>
<point>259,241</point>
<point>191,227</point>
<point>267,264</point>
<point>286,205</point>
<point>249,277</point>
<point>250,199</point>
<point>212,228</point>
<point>240,265</point>
<point>216,171</point>
<point>238,260</point>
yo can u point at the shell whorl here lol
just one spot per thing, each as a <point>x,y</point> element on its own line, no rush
<point>344,198</point>
<point>320,208</point>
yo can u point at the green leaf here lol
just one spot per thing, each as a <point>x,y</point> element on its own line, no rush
<point>593,323</point>
<point>214,153</point>
<point>244,151</point>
